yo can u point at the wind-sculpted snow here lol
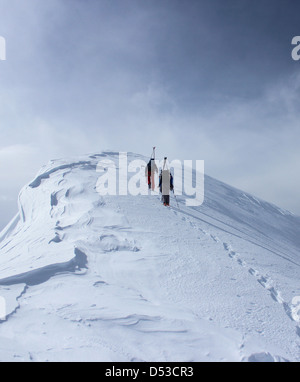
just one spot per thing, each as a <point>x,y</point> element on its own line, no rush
<point>80,271</point>
<point>43,274</point>
<point>254,217</point>
<point>37,181</point>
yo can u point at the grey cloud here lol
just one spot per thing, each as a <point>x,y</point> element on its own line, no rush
<point>198,79</point>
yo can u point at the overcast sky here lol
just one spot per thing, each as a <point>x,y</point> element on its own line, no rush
<point>200,79</point>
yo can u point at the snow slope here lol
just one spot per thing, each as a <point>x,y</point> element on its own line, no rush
<point>122,278</point>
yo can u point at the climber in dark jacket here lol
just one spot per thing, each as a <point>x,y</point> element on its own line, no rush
<point>165,186</point>
<point>150,171</point>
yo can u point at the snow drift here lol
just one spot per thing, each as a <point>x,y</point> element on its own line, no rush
<point>121,278</point>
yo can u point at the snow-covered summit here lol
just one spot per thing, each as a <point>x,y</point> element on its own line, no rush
<point>123,278</point>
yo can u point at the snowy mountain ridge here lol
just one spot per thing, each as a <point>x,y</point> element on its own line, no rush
<point>123,278</point>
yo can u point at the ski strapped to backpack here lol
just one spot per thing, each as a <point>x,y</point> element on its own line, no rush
<point>165,165</point>
<point>153,153</point>
<point>150,171</point>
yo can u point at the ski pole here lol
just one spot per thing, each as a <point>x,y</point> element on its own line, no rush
<point>153,152</point>
<point>176,200</point>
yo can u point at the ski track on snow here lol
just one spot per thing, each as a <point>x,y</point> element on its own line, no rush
<point>113,239</point>
<point>264,280</point>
